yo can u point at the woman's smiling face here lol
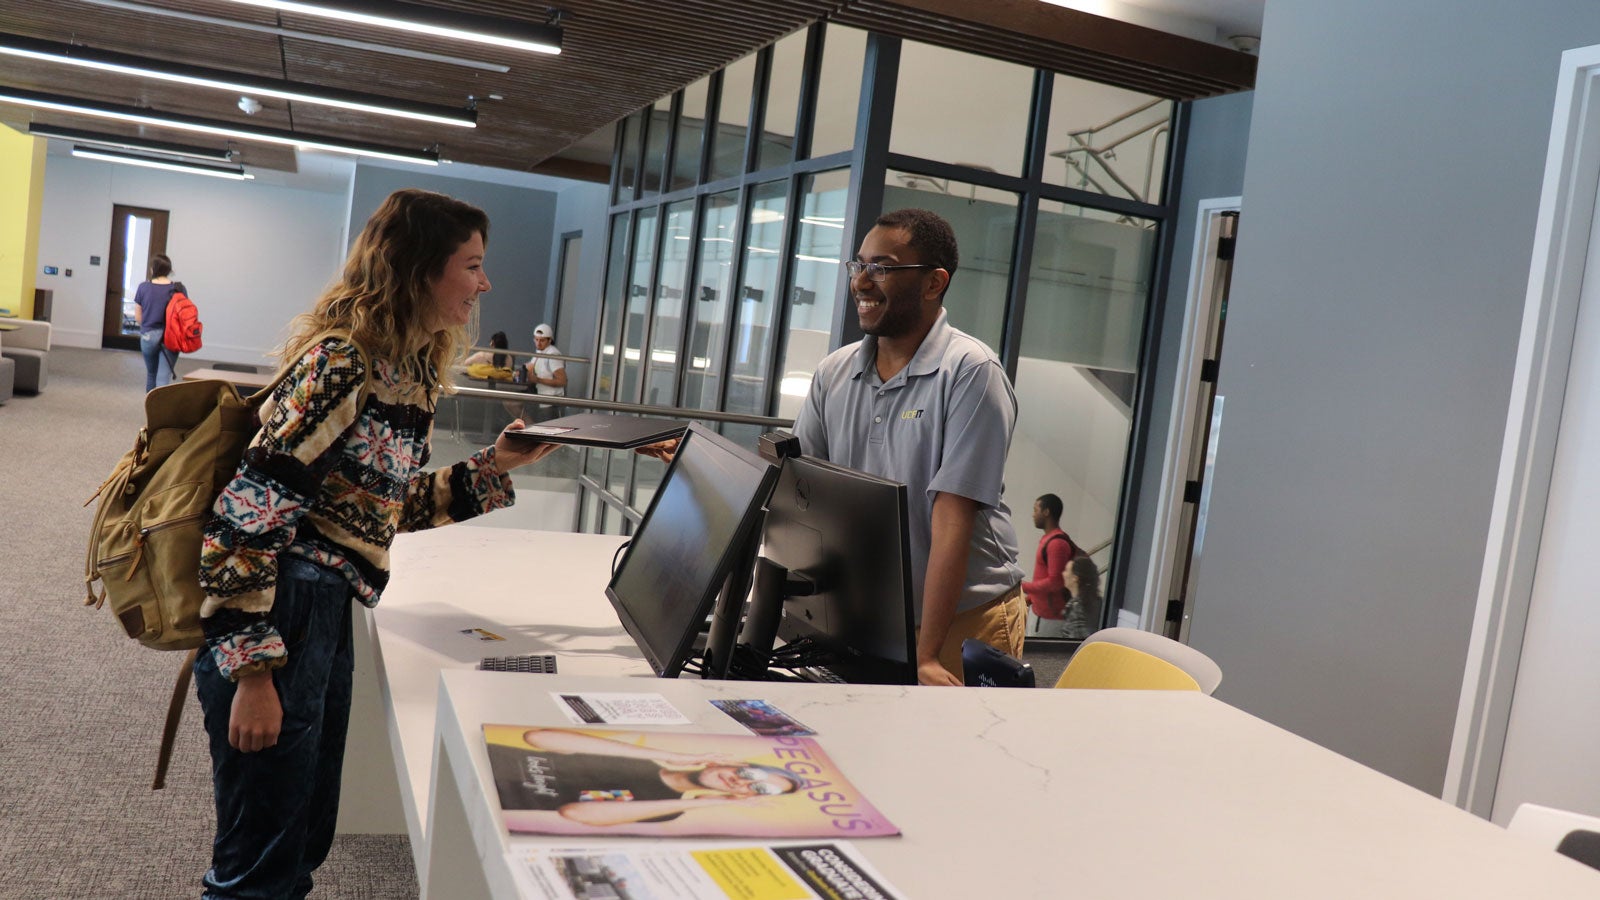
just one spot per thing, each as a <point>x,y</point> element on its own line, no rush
<point>456,290</point>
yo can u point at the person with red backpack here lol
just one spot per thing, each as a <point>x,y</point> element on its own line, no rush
<point>183,328</point>
<point>153,297</point>
<point>1047,596</point>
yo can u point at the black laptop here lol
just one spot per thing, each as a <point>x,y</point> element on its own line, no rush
<point>618,432</point>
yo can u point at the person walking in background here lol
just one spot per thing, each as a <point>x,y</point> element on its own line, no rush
<point>548,377</point>
<point>152,297</point>
<point>1081,578</point>
<point>1047,596</point>
<point>305,526</point>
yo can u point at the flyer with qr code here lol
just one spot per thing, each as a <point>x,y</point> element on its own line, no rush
<point>693,872</point>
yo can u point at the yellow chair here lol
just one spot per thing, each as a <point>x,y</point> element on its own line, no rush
<point>1130,659</point>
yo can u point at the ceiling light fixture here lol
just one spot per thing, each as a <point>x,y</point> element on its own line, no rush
<point>237,173</point>
<point>128,143</point>
<point>330,40</point>
<point>496,32</point>
<point>156,119</point>
<point>162,70</point>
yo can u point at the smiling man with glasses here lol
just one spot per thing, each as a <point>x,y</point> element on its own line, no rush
<point>924,404</point>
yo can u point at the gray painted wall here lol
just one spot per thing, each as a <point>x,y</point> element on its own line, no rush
<point>581,207</point>
<point>1213,167</point>
<point>1396,153</point>
<point>520,237</point>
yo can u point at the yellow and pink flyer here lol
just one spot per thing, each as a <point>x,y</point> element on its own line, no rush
<point>598,781</point>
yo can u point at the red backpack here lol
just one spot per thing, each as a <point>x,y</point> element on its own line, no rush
<point>183,324</point>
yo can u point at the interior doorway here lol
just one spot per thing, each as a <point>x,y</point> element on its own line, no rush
<point>1196,413</point>
<point>1524,732</point>
<point>137,234</point>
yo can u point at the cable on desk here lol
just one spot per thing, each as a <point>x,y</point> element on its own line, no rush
<point>618,555</point>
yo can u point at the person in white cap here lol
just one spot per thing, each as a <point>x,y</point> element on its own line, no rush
<point>547,376</point>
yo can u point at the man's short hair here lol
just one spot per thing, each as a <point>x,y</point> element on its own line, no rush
<point>930,235</point>
<point>1051,504</point>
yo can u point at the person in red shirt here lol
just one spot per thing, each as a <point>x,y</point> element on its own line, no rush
<point>1047,598</point>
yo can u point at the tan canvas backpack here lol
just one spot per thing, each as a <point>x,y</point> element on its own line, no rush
<point>144,548</point>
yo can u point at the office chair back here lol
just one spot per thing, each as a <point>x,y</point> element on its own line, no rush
<point>1130,659</point>
<point>1571,834</point>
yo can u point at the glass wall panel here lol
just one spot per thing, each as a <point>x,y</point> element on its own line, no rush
<point>647,475</point>
<point>985,223</point>
<point>757,307</point>
<point>1107,139</point>
<point>666,332</point>
<point>644,255</point>
<point>628,166</point>
<point>589,518</point>
<point>1088,291</point>
<point>618,471</point>
<point>655,146</point>
<point>818,284</point>
<point>733,118</point>
<point>713,298</point>
<point>844,53</point>
<point>691,134</point>
<point>939,89</point>
<point>611,315</point>
<point>783,101</point>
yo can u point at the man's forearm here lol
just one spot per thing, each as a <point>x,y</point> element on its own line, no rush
<point>947,572</point>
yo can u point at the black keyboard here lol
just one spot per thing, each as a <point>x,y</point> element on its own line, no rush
<point>538,663</point>
<point>821,675</point>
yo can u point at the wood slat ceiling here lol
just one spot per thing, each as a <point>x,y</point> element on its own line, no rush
<point>617,56</point>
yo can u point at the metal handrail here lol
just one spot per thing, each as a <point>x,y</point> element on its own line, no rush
<point>510,352</point>
<point>671,412</point>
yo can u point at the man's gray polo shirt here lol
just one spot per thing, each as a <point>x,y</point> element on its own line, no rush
<point>941,424</point>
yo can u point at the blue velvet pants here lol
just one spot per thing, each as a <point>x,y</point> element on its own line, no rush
<point>276,808</point>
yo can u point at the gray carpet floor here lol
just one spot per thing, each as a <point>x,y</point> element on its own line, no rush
<point>80,704</point>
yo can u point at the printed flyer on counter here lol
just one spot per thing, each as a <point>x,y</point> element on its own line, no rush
<point>599,781</point>
<point>825,871</point>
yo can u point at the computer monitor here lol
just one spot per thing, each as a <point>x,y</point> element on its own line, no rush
<point>833,579</point>
<point>699,522</point>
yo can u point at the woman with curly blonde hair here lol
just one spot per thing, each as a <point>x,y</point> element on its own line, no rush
<point>305,526</point>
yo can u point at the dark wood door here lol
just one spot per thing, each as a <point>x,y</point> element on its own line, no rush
<point>137,234</point>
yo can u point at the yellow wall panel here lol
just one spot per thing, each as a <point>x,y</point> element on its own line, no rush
<point>21,199</point>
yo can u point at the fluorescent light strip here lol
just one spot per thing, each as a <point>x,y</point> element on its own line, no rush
<point>127,143</point>
<point>206,126</point>
<point>129,159</point>
<point>352,12</point>
<point>104,61</point>
<point>301,35</point>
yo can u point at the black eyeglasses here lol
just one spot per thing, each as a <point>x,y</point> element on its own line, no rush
<point>879,271</point>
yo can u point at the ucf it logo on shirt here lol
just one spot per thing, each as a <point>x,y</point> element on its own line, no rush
<point>911,414</point>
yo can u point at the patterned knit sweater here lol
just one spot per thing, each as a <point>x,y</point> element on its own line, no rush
<point>335,472</point>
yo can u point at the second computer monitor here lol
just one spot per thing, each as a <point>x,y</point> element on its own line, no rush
<point>703,515</point>
<point>844,532</point>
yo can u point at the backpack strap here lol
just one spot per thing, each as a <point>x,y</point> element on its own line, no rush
<point>169,731</point>
<point>1071,544</point>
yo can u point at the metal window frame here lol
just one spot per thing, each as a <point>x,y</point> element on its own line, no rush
<point>868,163</point>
